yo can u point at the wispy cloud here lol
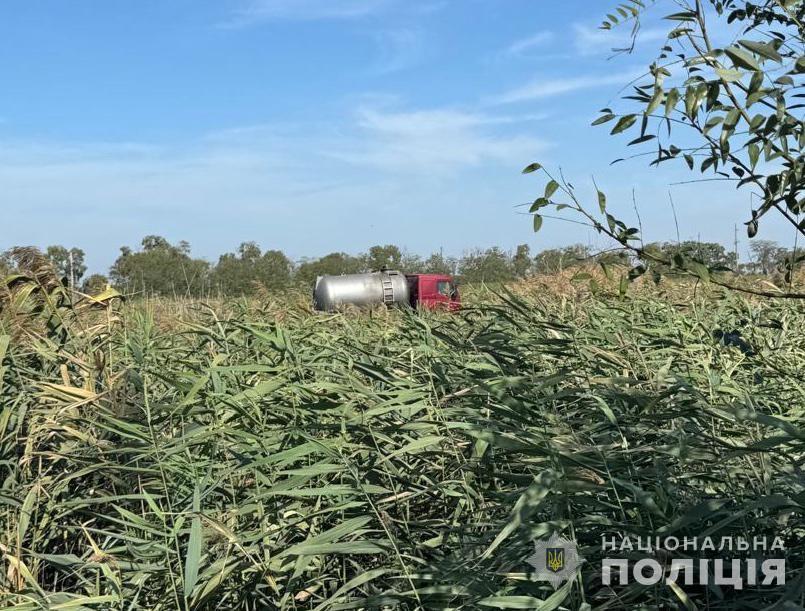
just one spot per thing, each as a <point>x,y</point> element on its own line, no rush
<point>398,50</point>
<point>525,45</point>
<point>549,87</point>
<point>249,167</point>
<point>256,11</point>
<point>436,142</point>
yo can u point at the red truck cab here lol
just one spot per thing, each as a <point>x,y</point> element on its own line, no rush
<point>433,291</point>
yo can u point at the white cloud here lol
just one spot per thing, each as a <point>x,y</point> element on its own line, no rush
<point>307,10</point>
<point>398,50</point>
<point>550,87</point>
<point>524,45</point>
<point>261,165</point>
<point>435,142</point>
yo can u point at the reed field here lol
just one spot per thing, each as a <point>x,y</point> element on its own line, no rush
<point>255,455</point>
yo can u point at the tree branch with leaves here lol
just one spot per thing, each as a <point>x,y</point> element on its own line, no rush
<point>730,111</point>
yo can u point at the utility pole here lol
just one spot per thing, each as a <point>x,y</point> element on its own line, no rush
<point>72,279</point>
<point>736,245</point>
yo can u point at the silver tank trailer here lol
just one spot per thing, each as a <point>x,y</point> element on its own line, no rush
<point>374,288</point>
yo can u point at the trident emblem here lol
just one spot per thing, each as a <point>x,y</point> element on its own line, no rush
<point>555,558</point>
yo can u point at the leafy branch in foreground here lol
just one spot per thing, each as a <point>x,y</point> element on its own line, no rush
<point>629,238</point>
<point>731,111</point>
<point>739,101</point>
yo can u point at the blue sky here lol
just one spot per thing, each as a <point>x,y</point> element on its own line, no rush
<point>320,125</point>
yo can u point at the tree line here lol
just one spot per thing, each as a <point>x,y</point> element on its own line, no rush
<point>161,268</point>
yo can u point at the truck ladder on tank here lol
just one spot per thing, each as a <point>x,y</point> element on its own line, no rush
<point>388,290</point>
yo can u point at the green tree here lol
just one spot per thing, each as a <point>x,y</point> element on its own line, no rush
<point>69,263</point>
<point>379,257</point>
<point>711,254</point>
<point>160,268</point>
<point>767,257</point>
<point>521,261</point>
<point>411,263</point>
<point>556,260</point>
<point>242,272</point>
<point>437,263</point>
<point>490,265</point>
<point>618,256</point>
<point>335,263</point>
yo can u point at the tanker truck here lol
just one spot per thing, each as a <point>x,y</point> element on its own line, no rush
<point>388,287</point>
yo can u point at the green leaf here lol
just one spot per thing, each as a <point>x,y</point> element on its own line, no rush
<point>756,82</point>
<point>345,547</point>
<point>729,75</point>
<point>712,122</point>
<point>193,557</point>
<point>713,91</point>
<point>25,512</point>
<point>656,100</point>
<point>754,154</point>
<point>683,16</point>
<point>537,222</point>
<point>538,203</point>
<point>679,32</point>
<point>353,583</point>
<point>603,119</point>
<point>532,167</point>
<point>763,49</point>
<point>694,95</point>
<point>511,602</point>
<point>730,121</point>
<point>346,528</point>
<point>558,597</point>
<point>5,340</point>
<point>670,101</point>
<point>732,118</point>
<point>680,594</point>
<point>623,124</point>
<point>741,58</point>
<point>641,139</point>
<point>636,272</point>
<point>414,447</point>
<point>529,502</point>
<point>86,602</point>
<point>602,202</point>
<point>551,188</point>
